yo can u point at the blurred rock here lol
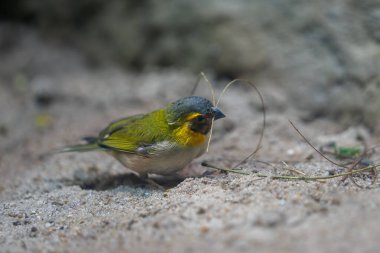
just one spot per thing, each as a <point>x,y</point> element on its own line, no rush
<point>324,54</point>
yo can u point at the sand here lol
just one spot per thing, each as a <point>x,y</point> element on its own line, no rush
<point>88,202</point>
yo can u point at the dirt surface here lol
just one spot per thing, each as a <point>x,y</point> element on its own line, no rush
<point>89,203</point>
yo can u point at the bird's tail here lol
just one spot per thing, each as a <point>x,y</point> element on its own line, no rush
<point>91,145</point>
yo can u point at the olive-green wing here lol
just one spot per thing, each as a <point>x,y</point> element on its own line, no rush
<point>119,125</point>
<point>133,133</point>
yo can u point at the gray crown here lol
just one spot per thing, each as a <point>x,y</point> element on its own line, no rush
<point>182,107</point>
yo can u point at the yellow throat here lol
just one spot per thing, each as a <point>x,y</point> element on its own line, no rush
<point>187,137</point>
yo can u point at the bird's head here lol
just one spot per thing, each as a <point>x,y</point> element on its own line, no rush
<point>194,112</point>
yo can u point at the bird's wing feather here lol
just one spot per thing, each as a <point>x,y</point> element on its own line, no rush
<point>135,134</point>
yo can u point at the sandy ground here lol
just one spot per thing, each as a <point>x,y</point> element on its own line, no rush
<point>89,203</point>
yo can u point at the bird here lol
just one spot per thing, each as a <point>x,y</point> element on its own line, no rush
<point>160,142</point>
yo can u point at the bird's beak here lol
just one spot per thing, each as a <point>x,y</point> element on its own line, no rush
<point>217,113</point>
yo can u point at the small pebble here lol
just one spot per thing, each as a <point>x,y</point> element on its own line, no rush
<point>290,152</point>
<point>16,223</point>
<point>204,229</point>
<point>33,232</point>
<point>201,210</point>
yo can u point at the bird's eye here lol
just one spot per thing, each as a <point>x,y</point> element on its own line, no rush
<point>200,118</point>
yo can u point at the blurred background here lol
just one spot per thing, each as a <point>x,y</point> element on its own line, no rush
<point>65,63</point>
<point>69,67</point>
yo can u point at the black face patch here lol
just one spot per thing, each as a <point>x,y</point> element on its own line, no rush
<point>201,124</point>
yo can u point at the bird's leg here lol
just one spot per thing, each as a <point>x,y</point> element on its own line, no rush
<point>144,177</point>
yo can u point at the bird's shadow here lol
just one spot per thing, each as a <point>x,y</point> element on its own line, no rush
<point>106,181</point>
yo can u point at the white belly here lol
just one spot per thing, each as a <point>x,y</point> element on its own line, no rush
<point>163,163</point>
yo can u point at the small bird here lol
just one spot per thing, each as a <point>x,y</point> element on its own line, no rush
<point>160,142</point>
